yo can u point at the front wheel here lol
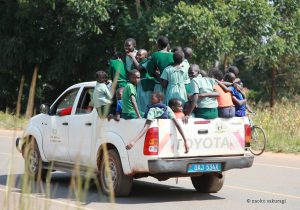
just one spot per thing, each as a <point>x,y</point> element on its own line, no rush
<point>258,140</point>
<point>33,162</point>
<point>208,183</point>
<point>121,183</point>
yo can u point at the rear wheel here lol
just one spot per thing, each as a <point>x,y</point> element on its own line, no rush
<point>121,183</point>
<point>33,162</point>
<point>208,183</point>
<point>258,140</point>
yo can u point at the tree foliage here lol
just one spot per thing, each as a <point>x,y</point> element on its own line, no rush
<point>70,39</point>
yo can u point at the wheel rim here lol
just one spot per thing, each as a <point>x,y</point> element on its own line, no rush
<point>33,161</point>
<point>113,174</point>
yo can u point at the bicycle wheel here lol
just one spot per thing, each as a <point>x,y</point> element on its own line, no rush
<point>258,140</point>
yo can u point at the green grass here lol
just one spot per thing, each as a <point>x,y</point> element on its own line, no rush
<point>282,126</point>
<point>11,122</point>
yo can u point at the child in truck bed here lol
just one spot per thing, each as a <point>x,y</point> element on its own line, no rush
<point>129,106</point>
<point>101,96</point>
<point>158,110</point>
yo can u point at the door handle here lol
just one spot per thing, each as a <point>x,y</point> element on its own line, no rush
<point>65,123</point>
<point>88,124</point>
<point>202,131</point>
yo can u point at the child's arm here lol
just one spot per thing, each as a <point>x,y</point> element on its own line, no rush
<point>182,134</point>
<point>117,117</point>
<point>240,89</point>
<point>238,102</point>
<point>211,95</point>
<point>140,134</point>
<point>164,83</point>
<point>224,87</point>
<point>193,105</point>
<point>135,107</point>
<point>135,62</point>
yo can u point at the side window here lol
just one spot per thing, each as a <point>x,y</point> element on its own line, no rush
<point>85,104</point>
<point>64,105</point>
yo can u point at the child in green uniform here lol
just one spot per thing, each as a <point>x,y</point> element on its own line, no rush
<point>158,110</point>
<point>117,69</point>
<point>129,47</point>
<point>129,106</point>
<point>159,61</point>
<point>146,85</point>
<point>173,78</point>
<point>203,96</point>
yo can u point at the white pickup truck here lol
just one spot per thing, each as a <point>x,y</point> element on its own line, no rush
<point>70,133</point>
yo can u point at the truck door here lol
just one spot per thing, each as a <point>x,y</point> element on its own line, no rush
<point>81,128</point>
<point>56,127</point>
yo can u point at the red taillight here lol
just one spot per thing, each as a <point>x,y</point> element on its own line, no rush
<point>151,142</point>
<point>247,133</point>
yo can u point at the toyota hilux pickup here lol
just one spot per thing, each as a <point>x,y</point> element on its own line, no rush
<point>69,134</point>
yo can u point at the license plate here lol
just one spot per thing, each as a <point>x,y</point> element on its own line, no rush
<point>204,167</point>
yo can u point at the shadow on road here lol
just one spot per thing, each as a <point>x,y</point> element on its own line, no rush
<point>142,191</point>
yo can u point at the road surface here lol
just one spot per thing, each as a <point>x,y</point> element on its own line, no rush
<point>273,182</point>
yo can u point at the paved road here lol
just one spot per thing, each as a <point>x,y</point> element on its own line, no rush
<point>272,183</point>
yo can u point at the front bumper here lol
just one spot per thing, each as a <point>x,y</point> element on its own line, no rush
<point>180,165</point>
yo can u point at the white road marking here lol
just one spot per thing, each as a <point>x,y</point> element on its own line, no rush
<point>278,166</point>
<point>262,191</point>
<point>48,199</point>
<point>255,190</point>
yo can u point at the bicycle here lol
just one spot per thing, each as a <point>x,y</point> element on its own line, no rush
<point>258,137</point>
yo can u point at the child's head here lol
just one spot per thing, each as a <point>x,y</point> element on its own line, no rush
<point>129,45</point>
<point>188,53</point>
<point>175,104</point>
<point>162,42</point>
<point>141,54</point>
<point>233,69</point>
<point>194,70</point>
<point>101,76</point>
<point>178,57</point>
<point>216,73</point>
<point>119,93</point>
<point>229,77</point>
<point>157,97</point>
<point>186,107</point>
<point>134,76</point>
<point>175,49</point>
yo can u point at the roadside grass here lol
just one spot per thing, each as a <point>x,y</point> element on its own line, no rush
<point>282,126</point>
<point>11,122</point>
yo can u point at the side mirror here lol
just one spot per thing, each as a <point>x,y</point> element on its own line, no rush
<point>45,108</point>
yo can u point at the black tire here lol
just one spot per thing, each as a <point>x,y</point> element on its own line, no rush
<point>258,140</point>
<point>208,183</point>
<point>33,162</point>
<point>122,183</point>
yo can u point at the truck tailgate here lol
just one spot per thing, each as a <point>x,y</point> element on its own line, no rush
<point>205,137</point>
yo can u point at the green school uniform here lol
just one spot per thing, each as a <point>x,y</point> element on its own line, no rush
<point>206,106</point>
<point>129,62</point>
<point>159,60</point>
<point>176,76</point>
<point>117,65</point>
<point>127,107</point>
<point>187,82</point>
<point>144,87</point>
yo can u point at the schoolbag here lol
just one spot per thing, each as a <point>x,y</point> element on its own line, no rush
<point>158,105</point>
